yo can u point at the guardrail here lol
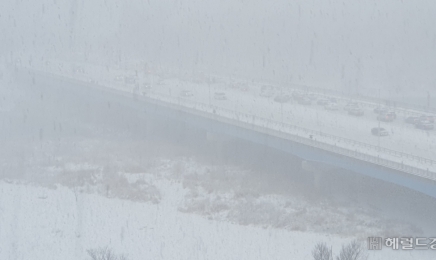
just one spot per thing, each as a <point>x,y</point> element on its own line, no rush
<point>238,119</point>
<point>280,129</point>
<point>210,108</point>
<point>396,104</point>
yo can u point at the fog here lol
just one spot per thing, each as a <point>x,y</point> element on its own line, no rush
<point>188,129</point>
<point>334,44</point>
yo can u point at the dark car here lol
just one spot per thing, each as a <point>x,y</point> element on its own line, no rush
<point>331,106</point>
<point>297,95</point>
<point>412,120</point>
<point>427,118</point>
<point>333,100</point>
<point>311,96</point>
<point>391,114</point>
<point>305,101</point>
<point>385,117</point>
<point>425,125</point>
<point>322,102</point>
<point>379,131</point>
<point>351,105</point>
<point>282,98</point>
<point>380,110</point>
<point>356,111</point>
<point>220,96</point>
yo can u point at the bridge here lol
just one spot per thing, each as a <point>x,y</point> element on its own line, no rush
<point>279,126</point>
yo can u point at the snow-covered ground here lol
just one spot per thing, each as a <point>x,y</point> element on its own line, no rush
<point>83,185</point>
<point>178,209</point>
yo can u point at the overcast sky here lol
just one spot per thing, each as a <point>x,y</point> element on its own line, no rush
<point>347,43</point>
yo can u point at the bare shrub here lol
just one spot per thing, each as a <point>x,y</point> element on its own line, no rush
<point>299,227</point>
<point>178,170</point>
<point>352,251</point>
<point>322,252</point>
<point>104,253</point>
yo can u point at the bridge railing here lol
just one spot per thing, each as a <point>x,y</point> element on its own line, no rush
<point>302,135</point>
<point>291,132</point>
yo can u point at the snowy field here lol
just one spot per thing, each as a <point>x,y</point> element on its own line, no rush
<point>83,185</point>
<point>176,210</point>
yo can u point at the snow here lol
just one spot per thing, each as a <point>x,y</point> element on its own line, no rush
<point>63,196</point>
<point>63,222</point>
<point>405,145</point>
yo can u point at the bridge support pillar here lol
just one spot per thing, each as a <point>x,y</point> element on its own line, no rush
<point>316,172</point>
<point>219,145</point>
<point>317,180</point>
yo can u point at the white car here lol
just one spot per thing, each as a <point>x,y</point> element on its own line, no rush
<point>119,78</point>
<point>331,106</point>
<point>379,131</point>
<point>145,89</point>
<point>186,93</point>
<point>220,96</point>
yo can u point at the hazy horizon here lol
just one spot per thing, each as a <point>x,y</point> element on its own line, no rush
<point>344,45</point>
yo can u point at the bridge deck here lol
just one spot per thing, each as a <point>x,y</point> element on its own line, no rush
<point>407,149</point>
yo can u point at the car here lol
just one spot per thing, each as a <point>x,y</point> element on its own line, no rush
<point>266,88</point>
<point>130,80</point>
<point>312,96</point>
<point>351,105</point>
<point>186,93</point>
<point>380,110</point>
<point>426,118</point>
<point>297,95</point>
<point>282,98</point>
<point>119,78</point>
<point>220,96</point>
<point>385,118</point>
<point>267,94</point>
<point>412,120</point>
<point>391,114</point>
<point>266,91</point>
<point>322,102</point>
<point>356,111</point>
<point>331,106</point>
<point>92,81</point>
<point>78,70</point>
<point>145,89</point>
<point>305,101</point>
<point>333,100</point>
<point>379,131</point>
<point>242,86</point>
<point>425,125</point>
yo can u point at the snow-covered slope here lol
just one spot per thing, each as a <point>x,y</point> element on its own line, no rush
<point>179,209</point>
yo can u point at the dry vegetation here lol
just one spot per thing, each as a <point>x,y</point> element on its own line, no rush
<point>125,169</point>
